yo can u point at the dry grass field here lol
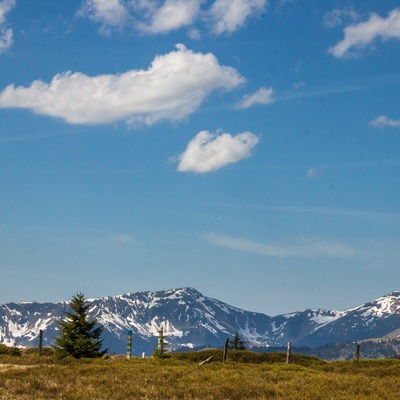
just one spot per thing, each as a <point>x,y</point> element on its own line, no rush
<point>45,378</point>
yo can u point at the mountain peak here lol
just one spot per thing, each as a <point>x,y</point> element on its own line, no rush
<point>191,319</point>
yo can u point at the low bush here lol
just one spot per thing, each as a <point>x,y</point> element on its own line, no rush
<point>11,351</point>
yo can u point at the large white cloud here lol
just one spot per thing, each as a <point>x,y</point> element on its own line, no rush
<point>229,15</point>
<point>362,34</point>
<point>172,88</point>
<point>6,33</point>
<point>261,96</point>
<point>171,15</point>
<point>208,151</point>
<point>383,121</point>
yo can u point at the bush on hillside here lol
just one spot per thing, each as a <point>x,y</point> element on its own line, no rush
<point>10,351</point>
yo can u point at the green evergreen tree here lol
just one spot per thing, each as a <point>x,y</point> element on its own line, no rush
<point>79,337</point>
<point>237,343</point>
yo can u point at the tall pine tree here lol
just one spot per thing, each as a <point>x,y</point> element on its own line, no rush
<point>79,337</point>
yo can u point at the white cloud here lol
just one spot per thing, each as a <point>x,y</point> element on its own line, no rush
<point>172,88</point>
<point>261,96</point>
<point>108,13</point>
<point>336,17</point>
<point>384,121</point>
<point>6,33</point>
<point>230,15</point>
<point>163,16</point>
<point>302,248</point>
<point>207,151</point>
<point>362,34</point>
<point>172,15</point>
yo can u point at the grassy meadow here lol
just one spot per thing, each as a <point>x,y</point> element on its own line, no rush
<point>244,376</point>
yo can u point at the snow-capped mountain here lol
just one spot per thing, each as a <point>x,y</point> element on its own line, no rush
<point>190,319</point>
<point>375,319</point>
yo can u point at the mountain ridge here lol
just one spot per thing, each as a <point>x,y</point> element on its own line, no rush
<point>192,320</point>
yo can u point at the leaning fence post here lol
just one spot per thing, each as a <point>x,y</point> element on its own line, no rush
<point>129,345</point>
<point>225,350</point>
<point>40,347</point>
<point>289,353</point>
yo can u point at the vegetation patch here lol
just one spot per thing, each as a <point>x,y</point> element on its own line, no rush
<point>245,375</point>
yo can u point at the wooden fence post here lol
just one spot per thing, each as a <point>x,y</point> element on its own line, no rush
<point>289,353</point>
<point>225,350</point>
<point>129,345</point>
<point>357,351</point>
<point>40,348</point>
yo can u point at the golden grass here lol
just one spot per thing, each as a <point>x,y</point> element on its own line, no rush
<point>43,378</point>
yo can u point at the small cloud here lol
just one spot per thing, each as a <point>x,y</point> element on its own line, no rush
<point>299,85</point>
<point>362,34</point>
<point>312,173</point>
<point>108,13</point>
<point>383,121</point>
<point>261,96</point>
<point>194,34</point>
<point>208,151</point>
<point>228,16</point>
<point>6,33</point>
<point>172,88</point>
<point>172,15</point>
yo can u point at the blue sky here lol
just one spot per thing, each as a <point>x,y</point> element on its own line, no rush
<point>247,148</point>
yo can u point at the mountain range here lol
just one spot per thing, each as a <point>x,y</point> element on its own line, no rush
<point>191,320</point>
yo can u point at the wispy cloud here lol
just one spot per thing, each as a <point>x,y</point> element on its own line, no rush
<point>383,121</point>
<point>261,96</point>
<point>6,33</point>
<point>371,215</point>
<point>299,85</point>
<point>301,248</point>
<point>226,16</point>
<point>360,35</point>
<point>80,234</point>
<point>170,16</point>
<point>172,88</point>
<point>337,17</point>
<point>123,238</point>
<point>208,151</point>
<point>108,13</point>
<point>313,173</point>
<point>164,16</point>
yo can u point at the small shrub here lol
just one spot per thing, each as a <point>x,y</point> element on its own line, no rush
<point>11,351</point>
<point>46,351</point>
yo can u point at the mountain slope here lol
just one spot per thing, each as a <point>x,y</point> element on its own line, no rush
<point>192,320</point>
<point>370,320</point>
